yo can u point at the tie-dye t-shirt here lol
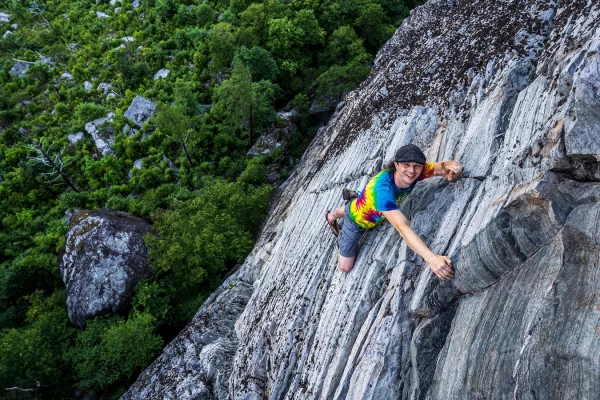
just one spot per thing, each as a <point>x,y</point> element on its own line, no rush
<point>382,194</point>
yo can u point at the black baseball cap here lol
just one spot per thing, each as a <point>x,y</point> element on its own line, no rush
<point>410,153</point>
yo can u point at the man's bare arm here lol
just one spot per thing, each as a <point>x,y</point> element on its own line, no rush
<point>441,265</point>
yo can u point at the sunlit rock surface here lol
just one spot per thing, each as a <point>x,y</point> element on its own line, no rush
<point>512,90</point>
<point>104,259</point>
<point>140,110</point>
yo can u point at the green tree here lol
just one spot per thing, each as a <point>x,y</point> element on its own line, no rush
<point>177,126</point>
<point>221,44</point>
<point>259,62</point>
<point>372,26</point>
<point>186,97</point>
<point>342,46</point>
<point>240,103</point>
<point>200,238</point>
<point>205,15</point>
<point>339,79</point>
<point>31,357</point>
<point>112,350</point>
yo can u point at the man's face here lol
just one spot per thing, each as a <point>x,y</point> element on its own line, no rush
<point>408,171</point>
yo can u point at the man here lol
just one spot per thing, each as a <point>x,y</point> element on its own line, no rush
<point>379,200</point>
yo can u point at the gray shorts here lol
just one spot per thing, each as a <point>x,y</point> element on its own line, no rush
<point>350,235</point>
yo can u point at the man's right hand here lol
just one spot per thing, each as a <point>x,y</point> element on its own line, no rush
<point>441,267</point>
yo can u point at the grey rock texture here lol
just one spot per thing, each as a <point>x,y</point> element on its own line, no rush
<point>4,17</point>
<point>20,68</point>
<point>104,259</point>
<point>140,110</point>
<point>275,136</point>
<point>102,133</point>
<point>161,73</point>
<point>509,88</point>
<point>75,137</point>
<point>104,86</point>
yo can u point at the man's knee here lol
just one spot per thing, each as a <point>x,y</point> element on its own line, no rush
<point>345,264</point>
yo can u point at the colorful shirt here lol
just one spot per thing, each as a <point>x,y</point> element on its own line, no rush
<point>382,194</point>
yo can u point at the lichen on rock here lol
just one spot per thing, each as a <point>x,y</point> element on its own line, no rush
<point>104,259</point>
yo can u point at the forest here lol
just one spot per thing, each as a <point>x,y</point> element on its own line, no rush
<point>221,73</point>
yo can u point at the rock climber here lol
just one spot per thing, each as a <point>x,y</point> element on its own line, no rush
<point>379,200</point>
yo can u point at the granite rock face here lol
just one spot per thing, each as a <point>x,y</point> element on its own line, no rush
<point>104,259</point>
<point>509,88</point>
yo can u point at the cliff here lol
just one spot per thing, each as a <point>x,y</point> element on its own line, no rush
<point>512,90</point>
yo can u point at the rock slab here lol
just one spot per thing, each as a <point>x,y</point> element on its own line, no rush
<point>140,110</point>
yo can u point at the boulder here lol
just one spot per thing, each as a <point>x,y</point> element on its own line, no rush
<point>67,77</point>
<point>75,137</point>
<point>274,136</point>
<point>74,46</point>
<point>140,110</point>
<point>105,87</point>
<point>20,68</point>
<point>102,133</point>
<point>7,34</point>
<point>87,86</point>
<point>135,4</point>
<point>4,17</point>
<point>101,15</point>
<point>137,164</point>
<point>161,73</point>
<point>104,259</point>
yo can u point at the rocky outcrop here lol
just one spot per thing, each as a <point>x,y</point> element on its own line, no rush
<point>199,359</point>
<point>20,68</point>
<point>510,89</point>
<point>104,259</point>
<point>102,133</point>
<point>161,73</point>
<point>140,110</point>
<point>276,135</point>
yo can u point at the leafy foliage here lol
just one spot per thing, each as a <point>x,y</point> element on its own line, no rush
<point>231,64</point>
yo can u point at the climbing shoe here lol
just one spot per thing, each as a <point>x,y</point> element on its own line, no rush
<point>348,194</point>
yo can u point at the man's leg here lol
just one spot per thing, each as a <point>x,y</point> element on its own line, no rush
<point>348,240</point>
<point>345,264</point>
<point>336,214</point>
